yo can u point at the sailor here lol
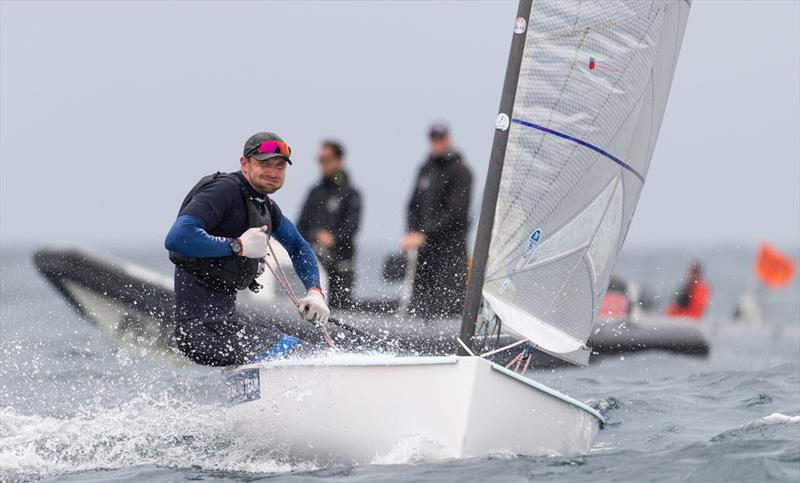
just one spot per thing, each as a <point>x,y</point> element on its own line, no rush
<point>218,244</point>
<point>330,219</point>
<point>692,299</point>
<point>615,302</point>
<point>438,219</point>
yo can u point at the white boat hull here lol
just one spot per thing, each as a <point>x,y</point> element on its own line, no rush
<point>364,409</point>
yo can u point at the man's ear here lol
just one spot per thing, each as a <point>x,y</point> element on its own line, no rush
<point>242,162</point>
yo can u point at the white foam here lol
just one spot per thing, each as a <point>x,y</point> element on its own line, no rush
<point>143,431</point>
<point>412,449</point>
<point>775,418</point>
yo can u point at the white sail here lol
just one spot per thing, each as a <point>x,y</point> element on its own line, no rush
<point>591,94</point>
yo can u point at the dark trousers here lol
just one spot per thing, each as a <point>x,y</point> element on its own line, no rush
<point>440,279</point>
<point>210,331</point>
<point>341,278</point>
<point>230,341</point>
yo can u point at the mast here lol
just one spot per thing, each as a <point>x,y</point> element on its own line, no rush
<point>491,189</point>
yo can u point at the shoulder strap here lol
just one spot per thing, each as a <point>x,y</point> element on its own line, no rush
<point>256,215</point>
<point>203,181</point>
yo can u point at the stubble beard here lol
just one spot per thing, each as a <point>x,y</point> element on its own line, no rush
<point>266,189</point>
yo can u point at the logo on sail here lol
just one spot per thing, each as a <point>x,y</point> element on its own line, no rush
<point>533,241</point>
<point>596,64</point>
<point>520,25</point>
<point>502,122</point>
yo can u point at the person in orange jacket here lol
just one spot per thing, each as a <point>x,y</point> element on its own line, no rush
<point>692,299</point>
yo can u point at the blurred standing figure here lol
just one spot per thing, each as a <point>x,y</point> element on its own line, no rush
<point>438,219</point>
<point>330,220</point>
<point>692,299</point>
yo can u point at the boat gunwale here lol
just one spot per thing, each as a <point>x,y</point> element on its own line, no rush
<point>376,361</point>
<point>421,361</point>
<point>552,392</point>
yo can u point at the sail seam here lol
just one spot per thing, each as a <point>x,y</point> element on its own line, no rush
<point>529,171</point>
<point>583,143</point>
<point>586,31</point>
<point>577,264</point>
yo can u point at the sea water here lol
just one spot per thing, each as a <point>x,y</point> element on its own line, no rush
<point>74,407</point>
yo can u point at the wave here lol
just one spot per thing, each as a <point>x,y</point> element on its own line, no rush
<point>605,406</point>
<point>774,426</point>
<point>776,418</point>
<point>143,431</point>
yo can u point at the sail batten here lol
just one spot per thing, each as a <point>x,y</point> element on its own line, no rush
<point>588,103</point>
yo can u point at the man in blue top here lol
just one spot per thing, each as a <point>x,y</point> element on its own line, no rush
<point>218,244</point>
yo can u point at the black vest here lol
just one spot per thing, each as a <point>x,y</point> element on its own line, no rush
<point>231,272</point>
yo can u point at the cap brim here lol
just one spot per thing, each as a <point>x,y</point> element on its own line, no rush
<point>266,156</point>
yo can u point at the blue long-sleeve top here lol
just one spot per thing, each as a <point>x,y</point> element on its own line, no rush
<point>189,238</point>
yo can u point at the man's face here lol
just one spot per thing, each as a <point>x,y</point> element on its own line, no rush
<point>329,164</point>
<point>267,176</point>
<point>440,145</point>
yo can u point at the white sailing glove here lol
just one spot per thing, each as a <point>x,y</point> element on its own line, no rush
<point>253,243</point>
<point>313,307</point>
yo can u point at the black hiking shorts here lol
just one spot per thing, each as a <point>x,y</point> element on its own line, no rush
<point>223,341</point>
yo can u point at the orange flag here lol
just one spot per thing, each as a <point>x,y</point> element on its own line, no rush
<point>773,268</point>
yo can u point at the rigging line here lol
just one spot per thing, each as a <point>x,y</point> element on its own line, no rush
<point>283,280</point>
<point>513,361</point>
<point>509,346</point>
<point>466,348</point>
<point>527,363</point>
<point>582,143</point>
<point>286,288</point>
<point>499,325</point>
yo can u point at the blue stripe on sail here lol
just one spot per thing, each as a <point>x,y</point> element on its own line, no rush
<point>582,143</point>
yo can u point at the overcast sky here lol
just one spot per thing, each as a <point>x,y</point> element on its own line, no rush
<point>111,111</point>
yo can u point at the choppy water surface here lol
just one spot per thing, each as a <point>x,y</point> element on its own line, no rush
<point>73,407</point>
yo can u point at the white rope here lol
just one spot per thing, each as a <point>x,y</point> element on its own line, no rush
<point>283,281</point>
<point>281,276</point>
<point>286,288</point>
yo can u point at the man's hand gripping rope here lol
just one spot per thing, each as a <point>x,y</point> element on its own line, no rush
<point>312,307</point>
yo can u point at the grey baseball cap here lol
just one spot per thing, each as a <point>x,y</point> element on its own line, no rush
<point>259,147</point>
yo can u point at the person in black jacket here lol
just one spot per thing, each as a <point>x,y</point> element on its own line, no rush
<point>330,220</point>
<point>438,219</point>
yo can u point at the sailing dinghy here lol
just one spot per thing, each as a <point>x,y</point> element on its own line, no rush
<point>584,94</point>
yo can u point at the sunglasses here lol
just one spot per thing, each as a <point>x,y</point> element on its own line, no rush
<point>274,147</point>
